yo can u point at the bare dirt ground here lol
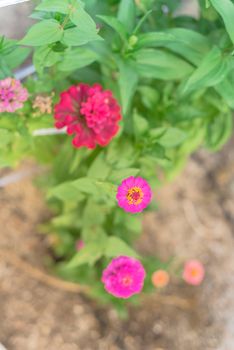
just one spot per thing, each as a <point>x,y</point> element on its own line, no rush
<point>196,219</point>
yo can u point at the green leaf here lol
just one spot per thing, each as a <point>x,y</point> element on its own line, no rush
<point>115,24</point>
<point>127,81</point>
<point>44,56</point>
<point>187,43</point>
<point>157,152</point>
<point>154,39</point>
<point>11,56</point>
<point>226,90</point>
<point>108,191</point>
<point>156,133</point>
<point>87,255</point>
<point>194,140</point>
<point>83,20</point>
<point>149,96</point>
<point>127,14</point>
<point>219,131</point>
<point>213,70</point>
<point>226,10</point>
<point>70,189</point>
<point>133,224</point>
<point>127,151</point>
<point>141,125</point>
<point>5,137</point>
<point>9,122</point>
<point>17,57</point>
<point>40,15</point>
<point>54,6</point>
<point>99,169</point>
<point>95,244</point>
<point>159,64</point>
<point>4,69</point>
<point>117,176</point>
<point>116,247</point>
<point>172,137</point>
<point>43,33</point>
<point>78,37</point>
<point>93,215</point>
<point>76,59</point>
<point>67,220</point>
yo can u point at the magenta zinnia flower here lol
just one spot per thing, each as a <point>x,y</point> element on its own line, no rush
<point>12,95</point>
<point>134,194</point>
<point>124,277</point>
<point>90,113</point>
<point>194,272</point>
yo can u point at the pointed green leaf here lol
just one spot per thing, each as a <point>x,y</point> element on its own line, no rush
<point>83,20</point>
<point>159,64</point>
<point>172,137</point>
<point>219,131</point>
<point>54,6</point>
<point>17,57</point>
<point>93,214</point>
<point>99,169</point>
<point>127,81</point>
<point>117,176</point>
<point>69,190</point>
<point>77,37</point>
<point>226,10</point>
<point>141,125</point>
<point>127,14</point>
<point>212,70</point>
<point>76,59</point>
<point>5,137</point>
<point>87,255</point>
<point>116,247</point>
<point>44,56</point>
<point>43,33</point>
<point>115,24</point>
<point>187,43</point>
<point>226,90</point>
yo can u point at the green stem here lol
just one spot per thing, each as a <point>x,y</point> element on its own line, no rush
<point>142,20</point>
<point>67,18</point>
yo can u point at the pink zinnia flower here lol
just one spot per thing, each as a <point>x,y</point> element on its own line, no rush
<point>194,272</point>
<point>124,277</point>
<point>79,245</point>
<point>134,194</point>
<point>12,95</point>
<point>90,113</point>
<point>160,278</point>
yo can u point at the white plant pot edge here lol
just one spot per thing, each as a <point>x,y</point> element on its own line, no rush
<point>4,3</point>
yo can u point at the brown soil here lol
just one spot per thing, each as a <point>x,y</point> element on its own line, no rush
<point>195,221</point>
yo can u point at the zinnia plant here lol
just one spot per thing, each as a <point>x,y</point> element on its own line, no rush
<point>122,92</point>
<point>12,95</point>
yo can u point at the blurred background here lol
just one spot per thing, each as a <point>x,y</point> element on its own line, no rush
<point>195,220</point>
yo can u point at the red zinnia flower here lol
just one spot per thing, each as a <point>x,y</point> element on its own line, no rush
<point>89,112</point>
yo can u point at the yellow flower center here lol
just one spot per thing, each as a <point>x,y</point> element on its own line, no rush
<point>135,195</point>
<point>127,281</point>
<point>194,272</point>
